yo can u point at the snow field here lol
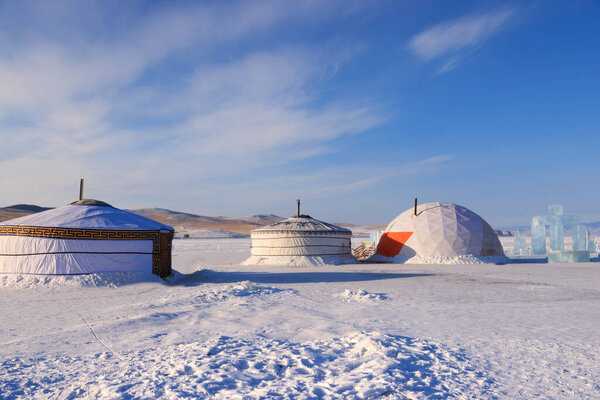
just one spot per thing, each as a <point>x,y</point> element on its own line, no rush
<point>359,365</point>
<point>354,331</point>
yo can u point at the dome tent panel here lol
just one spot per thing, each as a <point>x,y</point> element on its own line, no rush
<point>491,243</point>
<point>391,243</point>
<point>84,237</point>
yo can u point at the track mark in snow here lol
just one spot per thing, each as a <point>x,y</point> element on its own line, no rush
<point>361,365</point>
<point>89,327</point>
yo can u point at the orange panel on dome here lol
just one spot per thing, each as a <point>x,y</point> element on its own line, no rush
<point>391,243</point>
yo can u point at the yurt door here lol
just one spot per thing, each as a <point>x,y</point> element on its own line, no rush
<point>165,240</point>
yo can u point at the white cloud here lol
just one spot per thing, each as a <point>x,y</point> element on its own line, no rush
<point>455,35</point>
<point>75,101</point>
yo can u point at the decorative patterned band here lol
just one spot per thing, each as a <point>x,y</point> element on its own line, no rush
<point>300,233</point>
<point>72,233</point>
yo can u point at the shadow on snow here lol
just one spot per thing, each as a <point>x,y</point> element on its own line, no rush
<point>206,275</point>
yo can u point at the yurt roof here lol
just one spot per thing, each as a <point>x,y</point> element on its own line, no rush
<point>88,214</point>
<point>302,224</point>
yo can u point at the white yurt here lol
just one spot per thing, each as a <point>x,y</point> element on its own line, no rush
<point>301,241</point>
<point>439,231</point>
<point>84,237</point>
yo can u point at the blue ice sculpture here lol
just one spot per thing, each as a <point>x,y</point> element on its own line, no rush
<point>374,236</point>
<point>519,245</point>
<point>556,223</point>
<point>580,237</point>
<point>592,245</point>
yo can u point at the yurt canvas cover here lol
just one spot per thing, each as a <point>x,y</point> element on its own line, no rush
<point>301,236</point>
<point>439,230</point>
<point>84,237</point>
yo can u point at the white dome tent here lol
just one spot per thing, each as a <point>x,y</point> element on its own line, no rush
<point>86,236</point>
<point>439,232</point>
<point>301,241</point>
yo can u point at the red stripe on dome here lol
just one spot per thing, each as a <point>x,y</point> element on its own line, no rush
<point>391,243</point>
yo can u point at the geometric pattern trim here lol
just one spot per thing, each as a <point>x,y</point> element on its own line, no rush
<point>72,233</point>
<point>299,232</point>
<point>155,257</point>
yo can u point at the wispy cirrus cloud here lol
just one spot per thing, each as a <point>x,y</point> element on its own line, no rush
<point>175,86</point>
<point>450,38</point>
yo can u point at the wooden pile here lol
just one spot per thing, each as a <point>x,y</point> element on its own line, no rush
<point>364,251</point>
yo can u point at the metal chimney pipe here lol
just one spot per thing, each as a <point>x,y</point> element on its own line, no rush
<point>298,210</point>
<point>415,206</point>
<point>81,189</point>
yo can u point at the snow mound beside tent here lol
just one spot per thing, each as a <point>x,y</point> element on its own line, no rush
<point>360,365</point>
<point>442,260</point>
<point>98,279</point>
<point>239,289</point>
<point>298,261</point>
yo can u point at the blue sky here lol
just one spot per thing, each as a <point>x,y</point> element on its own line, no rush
<point>238,108</point>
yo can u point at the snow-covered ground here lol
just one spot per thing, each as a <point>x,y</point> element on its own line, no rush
<point>221,330</point>
<point>206,234</point>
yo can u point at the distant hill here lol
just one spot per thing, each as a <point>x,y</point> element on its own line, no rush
<point>260,219</point>
<point>192,222</point>
<point>19,210</point>
<point>6,215</point>
<point>30,208</point>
